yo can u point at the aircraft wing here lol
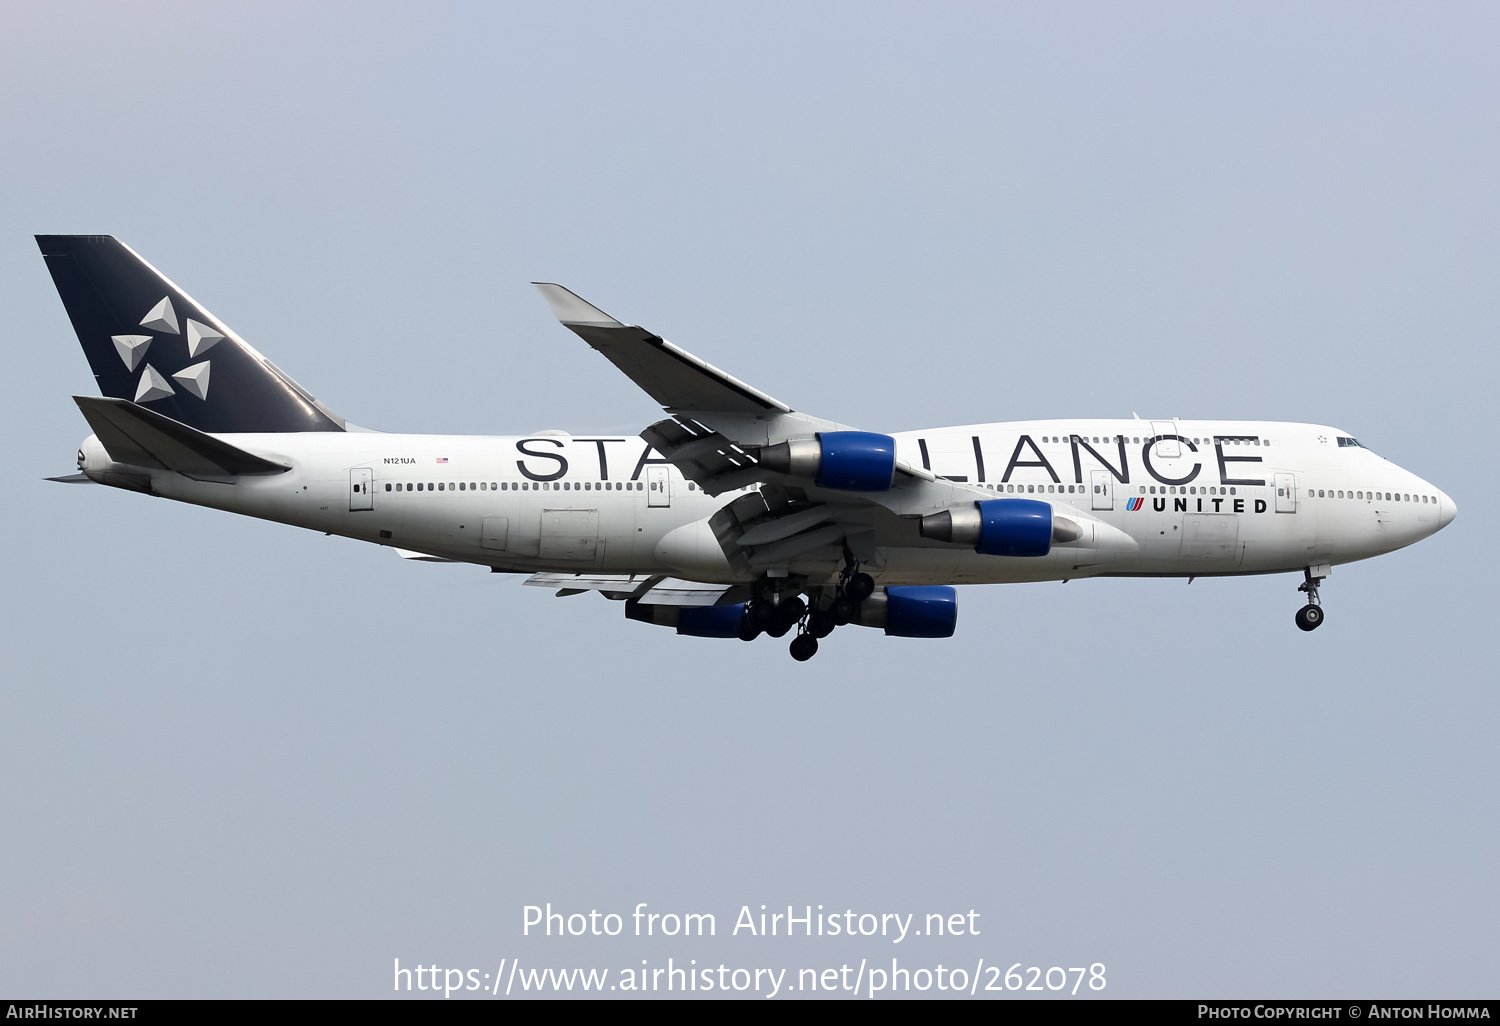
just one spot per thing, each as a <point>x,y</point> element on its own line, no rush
<point>651,590</point>
<point>676,379</point>
<point>718,436</point>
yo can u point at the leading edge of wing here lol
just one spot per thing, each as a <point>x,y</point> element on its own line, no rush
<point>676,379</point>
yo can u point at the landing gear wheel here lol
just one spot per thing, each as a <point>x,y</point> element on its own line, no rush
<point>860,587</point>
<point>748,630</point>
<point>762,614</point>
<point>779,628</point>
<point>1310,617</point>
<point>804,647</point>
<point>842,612</point>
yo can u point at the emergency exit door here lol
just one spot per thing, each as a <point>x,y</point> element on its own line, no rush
<point>657,481</point>
<point>1103,487</point>
<point>361,488</point>
<point>1286,493</point>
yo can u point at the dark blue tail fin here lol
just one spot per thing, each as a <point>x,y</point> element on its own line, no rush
<point>148,342</point>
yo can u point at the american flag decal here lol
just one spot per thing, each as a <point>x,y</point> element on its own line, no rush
<point>442,459</point>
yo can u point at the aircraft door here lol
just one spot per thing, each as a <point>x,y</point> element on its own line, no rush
<point>1103,488</point>
<point>658,480</point>
<point>495,533</point>
<point>1167,448</point>
<point>1286,493</point>
<point>361,489</point>
<point>570,534</point>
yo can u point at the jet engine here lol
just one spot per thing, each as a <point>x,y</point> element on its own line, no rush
<point>1002,527</point>
<point>912,611</point>
<point>851,461</point>
<point>696,621</point>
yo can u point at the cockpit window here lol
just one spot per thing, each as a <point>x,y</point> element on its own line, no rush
<point>1347,442</point>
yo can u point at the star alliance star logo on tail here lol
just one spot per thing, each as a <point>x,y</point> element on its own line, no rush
<point>153,384</point>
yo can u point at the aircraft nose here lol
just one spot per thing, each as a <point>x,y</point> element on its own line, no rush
<point>1447,510</point>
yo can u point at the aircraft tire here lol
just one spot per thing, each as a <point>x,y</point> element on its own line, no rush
<point>820,624</point>
<point>748,630</point>
<point>804,647</point>
<point>860,587</point>
<point>1310,617</point>
<point>842,612</point>
<point>779,628</point>
<point>762,613</point>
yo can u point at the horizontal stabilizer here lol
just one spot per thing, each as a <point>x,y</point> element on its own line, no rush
<point>140,437</point>
<point>673,377</point>
<point>71,479</point>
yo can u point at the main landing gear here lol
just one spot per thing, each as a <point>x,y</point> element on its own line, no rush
<point>775,610</point>
<point>1310,616</point>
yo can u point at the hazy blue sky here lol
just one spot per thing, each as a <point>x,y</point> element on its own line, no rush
<point>244,760</point>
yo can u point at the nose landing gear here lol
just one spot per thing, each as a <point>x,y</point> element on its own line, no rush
<point>1310,616</point>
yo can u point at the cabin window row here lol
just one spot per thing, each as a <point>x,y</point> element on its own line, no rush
<point>1344,493</point>
<point>1106,439</point>
<point>1187,490</point>
<point>519,486</point>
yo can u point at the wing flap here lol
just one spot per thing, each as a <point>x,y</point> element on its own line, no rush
<point>651,590</point>
<point>704,456</point>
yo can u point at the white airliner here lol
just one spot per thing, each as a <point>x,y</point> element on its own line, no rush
<point>735,515</point>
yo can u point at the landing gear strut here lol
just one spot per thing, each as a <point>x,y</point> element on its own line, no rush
<point>1310,616</point>
<point>773,611</point>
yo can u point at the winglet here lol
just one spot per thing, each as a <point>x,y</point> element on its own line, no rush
<point>571,308</point>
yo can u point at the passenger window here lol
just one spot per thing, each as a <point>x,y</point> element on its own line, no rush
<point>387,487</point>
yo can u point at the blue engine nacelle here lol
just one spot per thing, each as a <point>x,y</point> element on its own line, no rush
<point>851,461</point>
<point>1000,527</point>
<point>697,621</point>
<point>912,611</point>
